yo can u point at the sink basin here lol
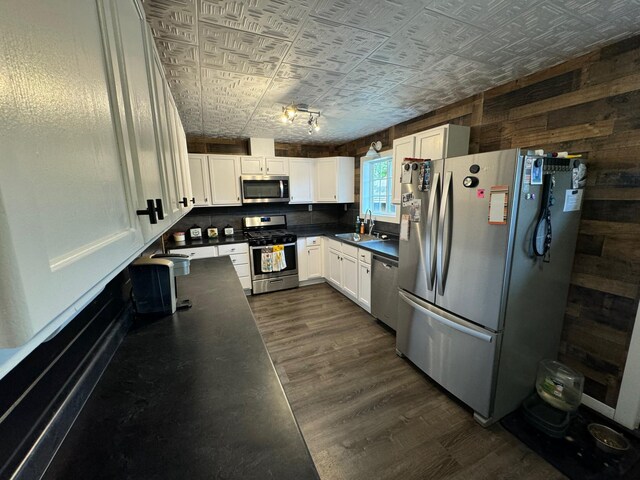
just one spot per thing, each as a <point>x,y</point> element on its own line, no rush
<point>356,237</point>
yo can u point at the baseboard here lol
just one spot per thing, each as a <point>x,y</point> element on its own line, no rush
<point>313,281</point>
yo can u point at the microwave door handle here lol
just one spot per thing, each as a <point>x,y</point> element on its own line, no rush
<point>281,189</point>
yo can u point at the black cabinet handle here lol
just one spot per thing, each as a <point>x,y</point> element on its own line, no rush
<point>151,211</point>
<point>193,199</point>
<point>184,201</point>
<point>159,209</point>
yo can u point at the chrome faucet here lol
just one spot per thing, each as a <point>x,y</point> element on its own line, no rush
<point>371,222</point>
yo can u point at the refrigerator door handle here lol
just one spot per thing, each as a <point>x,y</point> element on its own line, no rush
<point>434,202</point>
<point>445,215</point>
<point>449,323</point>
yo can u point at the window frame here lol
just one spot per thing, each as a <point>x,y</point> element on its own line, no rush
<point>379,218</point>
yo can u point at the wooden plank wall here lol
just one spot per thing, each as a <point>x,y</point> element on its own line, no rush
<point>588,105</point>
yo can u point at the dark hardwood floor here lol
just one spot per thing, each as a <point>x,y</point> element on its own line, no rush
<point>366,413</point>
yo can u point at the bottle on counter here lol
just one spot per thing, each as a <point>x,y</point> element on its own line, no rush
<point>362,227</point>
<point>358,224</point>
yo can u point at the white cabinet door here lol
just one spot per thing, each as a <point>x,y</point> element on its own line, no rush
<point>68,210</point>
<point>364,286</point>
<point>326,180</point>
<point>301,180</point>
<point>224,179</point>
<point>301,250</point>
<point>132,69</point>
<point>199,171</point>
<point>187,189</point>
<point>350,276</point>
<point>335,268</point>
<point>402,148</point>
<point>252,165</point>
<point>430,144</point>
<point>314,262</point>
<point>176,207</point>
<point>277,166</point>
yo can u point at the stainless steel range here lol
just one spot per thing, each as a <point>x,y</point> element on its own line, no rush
<point>273,253</point>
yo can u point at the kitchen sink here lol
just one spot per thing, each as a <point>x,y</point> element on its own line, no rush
<point>356,237</point>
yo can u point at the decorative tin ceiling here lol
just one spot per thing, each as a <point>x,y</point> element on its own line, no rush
<point>366,64</point>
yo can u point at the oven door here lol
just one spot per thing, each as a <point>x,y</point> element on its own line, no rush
<point>262,189</point>
<point>290,258</point>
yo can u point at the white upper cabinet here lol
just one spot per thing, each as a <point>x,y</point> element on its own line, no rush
<point>277,165</point>
<point>199,172</point>
<point>440,142</point>
<point>264,165</point>
<point>334,180</point>
<point>130,61</point>
<point>224,178</point>
<point>252,166</point>
<point>402,148</point>
<point>301,180</point>
<point>68,206</point>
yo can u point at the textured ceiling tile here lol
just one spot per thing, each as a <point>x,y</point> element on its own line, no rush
<point>300,85</point>
<point>242,52</point>
<point>599,12</point>
<point>381,16</point>
<point>425,39</point>
<point>482,13</point>
<point>266,17</point>
<point>489,50</point>
<point>172,19</point>
<point>331,46</point>
<point>177,53</point>
<point>375,77</point>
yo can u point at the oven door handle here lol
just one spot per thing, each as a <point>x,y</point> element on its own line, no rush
<point>268,246</point>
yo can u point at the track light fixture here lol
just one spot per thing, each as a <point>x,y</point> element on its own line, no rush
<point>290,112</point>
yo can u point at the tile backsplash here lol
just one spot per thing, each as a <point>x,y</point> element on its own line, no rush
<point>296,215</point>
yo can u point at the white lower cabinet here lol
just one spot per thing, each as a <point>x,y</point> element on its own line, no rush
<point>364,285</point>
<point>314,262</point>
<point>238,253</point>
<point>350,276</point>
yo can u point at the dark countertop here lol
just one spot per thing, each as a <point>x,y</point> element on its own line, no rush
<point>388,248</point>
<point>205,241</point>
<point>194,395</point>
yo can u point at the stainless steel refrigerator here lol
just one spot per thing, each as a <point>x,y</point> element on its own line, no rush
<point>486,249</point>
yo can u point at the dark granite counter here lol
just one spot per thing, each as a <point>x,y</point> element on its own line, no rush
<point>194,395</point>
<point>388,248</point>
<point>205,242</point>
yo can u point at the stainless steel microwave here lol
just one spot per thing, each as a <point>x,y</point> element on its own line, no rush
<point>264,189</point>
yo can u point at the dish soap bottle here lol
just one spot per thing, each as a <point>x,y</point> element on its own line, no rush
<point>358,224</point>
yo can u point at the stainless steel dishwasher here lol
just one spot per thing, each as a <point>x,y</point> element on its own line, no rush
<point>384,290</point>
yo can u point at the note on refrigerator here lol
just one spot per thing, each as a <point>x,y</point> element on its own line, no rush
<point>498,203</point>
<point>406,174</point>
<point>572,200</point>
<point>404,227</point>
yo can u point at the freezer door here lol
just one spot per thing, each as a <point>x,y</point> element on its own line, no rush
<point>473,253</point>
<point>417,254</point>
<point>458,355</point>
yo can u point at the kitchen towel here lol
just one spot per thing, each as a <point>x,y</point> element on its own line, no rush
<point>267,260</point>
<point>278,261</point>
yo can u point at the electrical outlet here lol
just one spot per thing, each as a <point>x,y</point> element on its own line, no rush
<point>310,208</point>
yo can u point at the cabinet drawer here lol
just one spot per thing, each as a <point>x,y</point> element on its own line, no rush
<point>240,258</point>
<point>364,256</point>
<point>246,282</point>
<point>313,241</point>
<point>197,252</point>
<point>233,248</point>
<point>242,270</point>
<point>350,250</point>
<point>335,244</point>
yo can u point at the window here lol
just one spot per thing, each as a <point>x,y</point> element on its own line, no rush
<point>376,188</point>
